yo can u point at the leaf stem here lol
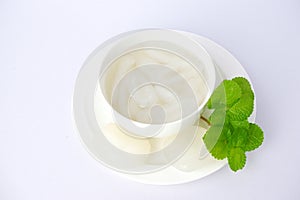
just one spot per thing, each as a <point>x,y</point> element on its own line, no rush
<point>206,120</point>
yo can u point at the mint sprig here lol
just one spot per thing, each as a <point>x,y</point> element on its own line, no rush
<point>231,135</point>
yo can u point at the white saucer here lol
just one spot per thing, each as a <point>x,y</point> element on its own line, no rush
<point>191,166</point>
<point>195,163</point>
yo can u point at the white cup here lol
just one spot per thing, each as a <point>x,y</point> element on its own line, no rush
<point>167,40</point>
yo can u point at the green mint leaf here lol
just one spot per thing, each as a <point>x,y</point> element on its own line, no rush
<point>236,158</point>
<point>242,109</point>
<point>238,138</point>
<point>226,94</point>
<point>231,134</point>
<point>245,86</point>
<point>219,151</point>
<point>218,117</point>
<point>255,137</point>
<point>240,124</point>
<point>211,137</point>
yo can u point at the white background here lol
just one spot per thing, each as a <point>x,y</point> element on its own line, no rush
<point>42,47</point>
